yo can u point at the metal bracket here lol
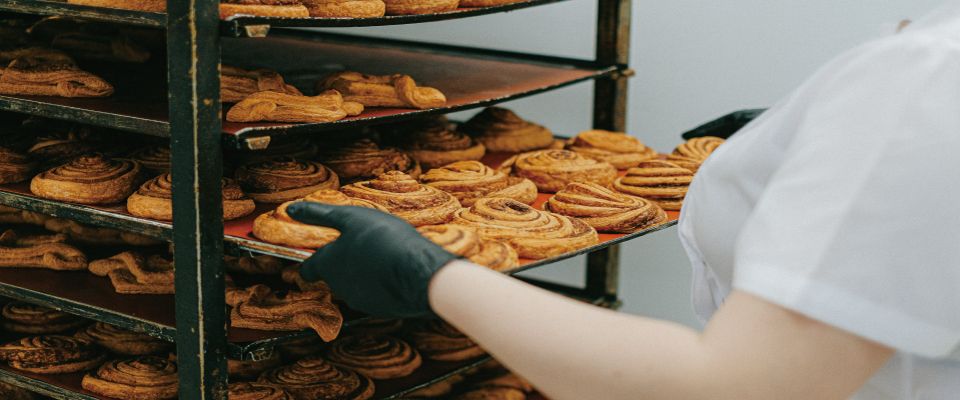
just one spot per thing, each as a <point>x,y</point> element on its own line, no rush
<point>257,143</point>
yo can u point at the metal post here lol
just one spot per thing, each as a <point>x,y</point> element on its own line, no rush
<point>193,56</point>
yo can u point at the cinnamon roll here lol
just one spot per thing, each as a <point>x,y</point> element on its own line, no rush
<point>237,83</point>
<point>155,159</point>
<point>258,307</point>
<point>284,179</point>
<point>693,164</point>
<point>471,180</point>
<point>604,209</point>
<point>345,8</point>
<point>14,166</point>
<point>254,265</point>
<point>500,129</point>
<point>436,145</point>
<point>438,340</point>
<point>466,242</point>
<point>10,392</point>
<point>404,197</point>
<point>327,106</point>
<point>312,378</point>
<point>657,180</point>
<point>617,148</point>
<point>409,7</point>
<point>122,341</point>
<point>376,356</point>
<point>91,235</point>
<point>694,152</point>
<point>533,233</point>
<point>51,354</point>
<point>55,256</point>
<point>504,387</point>
<point>133,273</point>
<point>33,76</point>
<point>364,159</point>
<point>257,391</point>
<point>154,200</point>
<point>248,369</point>
<point>399,91</point>
<point>90,179</point>
<point>277,227</point>
<point>19,317</point>
<point>147,377</point>
<point>552,170</point>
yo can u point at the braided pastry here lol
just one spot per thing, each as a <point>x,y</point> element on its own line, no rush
<point>55,256</point>
<point>327,106</point>
<point>248,369</point>
<point>399,91</point>
<point>258,307</point>
<point>345,8</point>
<point>604,209</point>
<point>617,148</point>
<point>500,129</point>
<point>141,378</point>
<point>14,166</point>
<point>132,273</point>
<point>285,179</point>
<point>657,180</point>
<point>409,7</point>
<point>376,356</point>
<point>402,196</point>
<point>253,265</point>
<point>436,145</point>
<point>364,159</point>
<point>277,227</point>
<point>465,242</point>
<point>10,392</point>
<point>51,354</point>
<point>154,200</point>
<point>552,170</point>
<point>33,76</point>
<point>471,180</point>
<point>19,317</point>
<point>96,236</point>
<point>155,159</point>
<point>438,340</point>
<point>237,83</point>
<point>694,152</point>
<point>88,180</point>
<point>122,341</point>
<point>312,378</point>
<point>256,391</point>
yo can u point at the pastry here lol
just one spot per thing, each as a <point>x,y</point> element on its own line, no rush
<point>237,83</point>
<point>471,180</point>
<point>617,148</point>
<point>398,91</point>
<point>694,152</point>
<point>312,378</point>
<point>140,5</point>
<point>155,159</point>
<point>327,106</point>
<point>504,387</point>
<point>277,227</point>
<point>466,242</point>
<point>436,390</point>
<point>300,347</point>
<point>552,170</point>
<point>439,341</point>
<point>154,200</point>
<point>90,179</point>
<point>14,166</point>
<point>408,7</point>
<point>248,369</point>
<point>51,354</point>
<point>364,159</point>
<point>11,215</point>
<point>657,180</point>
<point>345,8</point>
<point>500,129</point>
<point>258,307</point>
<point>141,378</point>
<point>53,150</point>
<point>55,256</point>
<point>604,209</point>
<point>253,265</point>
<point>99,47</point>
<point>32,319</point>
<point>690,163</point>
<point>10,392</point>
<point>122,341</point>
<point>298,147</point>
<point>404,197</point>
<point>257,391</point>
<point>91,235</point>
<point>133,273</point>
<point>42,54</point>
<point>263,8</point>
<point>292,276</point>
<point>533,233</point>
<point>437,145</point>
<point>10,237</point>
<point>486,3</point>
<point>375,356</point>
<point>31,76</point>
<point>284,179</point>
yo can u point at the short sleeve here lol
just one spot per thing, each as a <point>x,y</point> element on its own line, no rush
<point>859,226</point>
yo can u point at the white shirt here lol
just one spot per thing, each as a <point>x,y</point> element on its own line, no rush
<point>842,203</point>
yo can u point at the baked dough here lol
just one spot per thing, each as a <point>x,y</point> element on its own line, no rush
<point>19,317</point>
<point>617,148</point>
<point>154,200</point>
<point>364,159</point>
<point>55,256</point>
<point>471,180</point>
<point>284,179</point>
<point>15,166</point>
<point>92,179</point>
<point>298,147</point>
<point>694,152</point>
<point>92,235</point>
<point>396,90</point>
<point>155,159</point>
<point>139,5</point>
<point>133,273</point>
<point>263,8</point>
<point>501,130</point>
<point>553,170</point>
<point>254,265</point>
<point>122,341</point>
<point>504,387</point>
<point>404,197</point>
<point>439,341</point>
<point>257,391</point>
<point>259,307</point>
<point>408,7</point>
<point>277,227</point>
<point>51,354</point>
<point>313,378</point>
<point>604,209</point>
<point>237,83</point>
<point>147,378</point>
<point>250,370</point>
<point>657,180</point>
<point>487,3</point>
<point>327,106</point>
<point>31,76</point>
<point>375,356</point>
<point>466,242</point>
<point>437,145</point>
<point>54,149</point>
<point>345,8</point>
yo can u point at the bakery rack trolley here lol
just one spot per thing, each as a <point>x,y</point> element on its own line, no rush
<point>191,119</point>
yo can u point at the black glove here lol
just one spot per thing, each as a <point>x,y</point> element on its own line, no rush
<point>726,125</point>
<point>379,265</point>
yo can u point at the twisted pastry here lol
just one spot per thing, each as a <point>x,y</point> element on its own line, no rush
<point>312,378</point>
<point>285,179</point>
<point>436,145</point>
<point>617,148</point>
<point>263,8</point>
<point>364,159</point>
<point>533,233</point>
<point>33,76</point>
<point>55,256</point>
<point>32,319</point>
<point>14,166</point>
<point>327,106</point>
<point>10,392</point>
<point>258,307</point>
<point>257,391</point>
<point>500,129</point>
<point>471,180</point>
<point>132,273</point>
<point>657,180</point>
<point>409,7</point>
<point>142,378</point>
<point>438,340</point>
<point>277,227</point>
<point>51,354</point>
<point>396,90</point>
<point>237,369</point>
<point>604,209</point>
<point>465,242</point>
<point>345,8</point>
<point>154,200</point>
<point>88,180</point>
<point>694,152</point>
<point>155,159</point>
<point>552,170</point>
<point>122,341</point>
<point>402,196</point>
<point>237,83</point>
<point>253,265</point>
<point>95,236</point>
<point>376,356</point>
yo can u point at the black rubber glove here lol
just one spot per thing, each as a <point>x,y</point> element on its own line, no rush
<point>379,265</point>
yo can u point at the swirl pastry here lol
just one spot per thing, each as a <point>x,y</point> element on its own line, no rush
<point>438,340</point>
<point>53,150</point>
<point>32,76</point>
<point>14,166</point>
<point>248,369</point>
<point>91,235</point>
<point>471,180</point>
<point>345,8</point>
<point>147,378</point>
<point>465,242</point>
<point>154,200</point>
<point>285,179</point>
<point>258,307</point>
<point>533,233</point>
<point>312,378</point>
<point>237,83</point>
<point>657,180</point>
<point>399,91</point>
<point>257,391</point>
<point>263,8</point>
<point>55,256</point>
<point>504,387</point>
<point>327,106</point>
<point>254,265</point>
<point>277,227</point>
<point>377,357</point>
<point>438,145</point>
<point>409,7</point>
<point>604,209</point>
<point>132,273</point>
<point>617,148</point>
<point>32,319</point>
<point>155,159</point>
<point>10,392</point>
<point>364,159</point>
<point>500,129</point>
<point>122,341</point>
<point>88,180</point>
<point>552,170</point>
<point>694,152</point>
<point>51,354</point>
<point>404,197</point>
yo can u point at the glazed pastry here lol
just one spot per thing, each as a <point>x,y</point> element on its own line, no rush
<point>10,392</point>
<point>604,209</point>
<point>398,91</point>
<point>263,8</point>
<point>258,307</point>
<point>51,354</point>
<point>88,180</point>
<point>437,145</point>
<point>312,378</point>
<point>277,227</point>
<point>533,233</point>
<point>327,106</point>
<point>53,150</point>
<point>466,242</point>
<point>402,196</point>
<point>617,148</point>
<point>132,273</point>
<point>500,129</point>
<point>345,8</point>
<point>122,341</point>
<point>377,357</point>
<point>254,265</point>
<point>249,370</point>
<point>155,159</point>
<point>91,235</point>
<point>438,340</point>
<point>19,317</point>
<point>31,76</point>
<point>154,200</point>
<point>552,170</point>
<point>237,83</point>
<point>657,180</point>
<point>147,378</point>
<point>285,179</point>
<point>471,180</point>
<point>364,159</point>
<point>298,147</point>
<point>408,7</point>
<point>14,166</point>
<point>257,391</point>
<point>101,47</point>
<point>55,256</point>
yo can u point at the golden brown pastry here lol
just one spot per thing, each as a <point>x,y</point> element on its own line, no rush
<point>364,159</point>
<point>263,8</point>
<point>376,356</point>
<point>436,390</point>
<point>533,233</point>
<point>277,227</point>
<point>237,83</point>
<point>437,145</point>
<point>139,5</point>
<point>504,387</point>
<point>312,378</point>
<point>88,180</point>
<point>327,106</point>
<point>471,180</point>
<point>438,340</point>
<point>51,354</point>
<point>500,129</point>
<point>298,147</point>
<point>91,235</point>
<point>14,166</point>
<point>155,159</point>
<point>284,179</point>
<point>10,237</point>
<point>694,152</point>
<point>345,8</point>
<point>604,209</point>
<point>133,273</point>
<point>404,197</point>
<point>258,307</point>
<point>19,317</point>
<point>408,7</point>
<point>399,91</point>
<point>11,215</point>
<point>617,148</point>
<point>486,3</point>
<point>254,265</point>
<point>146,378</point>
<point>657,180</point>
<point>553,170</point>
<point>257,391</point>
<point>104,48</point>
<point>154,200</point>
<point>55,256</point>
<point>122,341</point>
<point>10,392</point>
<point>30,76</point>
<point>250,370</point>
<point>43,54</point>
<point>466,242</point>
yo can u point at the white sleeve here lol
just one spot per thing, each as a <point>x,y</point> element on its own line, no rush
<point>859,227</point>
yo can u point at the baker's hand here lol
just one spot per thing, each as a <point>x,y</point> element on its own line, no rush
<point>379,265</point>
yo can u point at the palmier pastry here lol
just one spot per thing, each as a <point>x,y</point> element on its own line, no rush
<point>122,341</point>
<point>327,106</point>
<point>258,307</point>
<point>14,166</point>
<point>533,233</point>
<point>500,129</point>
<point>376,356</point>
<point>694,152</point>
<point>277,227</point>
<point>284,179</point>
<point>133,273</point>
<point>617,148</point>
<point>604,209</point>
<point>657,180</point>
<point>312,378</point>
<point>438,145</point>
<point>552,170</point>
<point>10,392</point>
<point>154,200</point>
<point>364,159</point>
<point>404,197</point>
<point>34,77</point>
<point>55,256</point>
<point>237,83</point>
<point>257,391</point>
<point>90,46</point>
<point>396,90</point>
<point>146,378</point>
<point>253,265</point>
<point>90,179</point>
<point>92,235</point>
<point>471,180</point>
<point>438,340</point>
<point>345,8</point>
<point>51,354</point>
<point>466,242</point>
<point>408,7</point>
<point>155,159</point>
<point>32,319</point>
<point>263,8</point>
<point>248,369</point>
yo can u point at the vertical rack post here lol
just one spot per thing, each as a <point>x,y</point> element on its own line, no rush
<point>193,57</point>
